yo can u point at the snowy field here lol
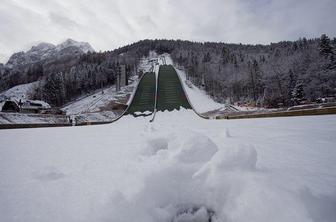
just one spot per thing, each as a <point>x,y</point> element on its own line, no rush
<point>178,168</point>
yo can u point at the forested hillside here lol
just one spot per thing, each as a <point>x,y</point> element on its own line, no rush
<point>282,73</point>
<point>279,74</point>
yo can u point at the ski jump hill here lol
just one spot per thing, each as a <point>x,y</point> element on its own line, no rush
<point>165,92</point>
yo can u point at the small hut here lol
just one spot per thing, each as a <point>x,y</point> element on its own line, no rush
<point>25,106</point>
<point>10,106</point>
<point>33,106</point>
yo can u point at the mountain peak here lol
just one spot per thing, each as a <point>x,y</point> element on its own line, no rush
<point>47,50</point>
<point>44,45</point>
<point>84,46</point>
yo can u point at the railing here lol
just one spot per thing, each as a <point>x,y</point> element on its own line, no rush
<point>156,95</point>
<point>303,112</point>
<point>33,125</point>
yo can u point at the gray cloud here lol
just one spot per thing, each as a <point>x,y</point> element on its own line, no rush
<point>62,21</point>
<point>146,22</point>
<point>108,24</point>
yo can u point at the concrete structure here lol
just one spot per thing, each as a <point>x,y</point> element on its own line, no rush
<point>121,77</point>
<point>118,83</point>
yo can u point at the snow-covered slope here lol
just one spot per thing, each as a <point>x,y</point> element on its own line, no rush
<point>198,98</point>
<point>178,168</point>
<point>97,101</point>
<point>19,91</point>
<point>97,107</point>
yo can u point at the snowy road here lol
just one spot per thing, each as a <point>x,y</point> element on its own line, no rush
<point>276,169</point>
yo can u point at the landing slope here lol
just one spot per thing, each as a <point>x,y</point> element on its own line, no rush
<point>170,92</point>
<point>144,98</point>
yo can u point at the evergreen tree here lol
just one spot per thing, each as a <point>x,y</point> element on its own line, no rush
<point>298,93</point>
<point>325,46</point>
<point>255,79</point>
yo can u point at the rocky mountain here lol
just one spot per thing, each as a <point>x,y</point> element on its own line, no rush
<point>63,71</point>
<point>41,60</point>
<point>44,51</point>
<point>83,46</point>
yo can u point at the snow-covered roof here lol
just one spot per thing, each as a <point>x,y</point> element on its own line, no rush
<point>35,104</point>
<point>28,104</point>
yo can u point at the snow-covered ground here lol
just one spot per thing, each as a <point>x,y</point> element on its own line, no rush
<point>178,168</point>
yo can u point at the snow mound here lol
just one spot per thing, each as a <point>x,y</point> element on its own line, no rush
<point>176,189</point>
<point>154,145</point>
<point>147,112</point>
<point>196,148</point>
<point>241,158</point>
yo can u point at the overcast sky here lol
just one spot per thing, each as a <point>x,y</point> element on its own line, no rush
<point>107,24</point>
